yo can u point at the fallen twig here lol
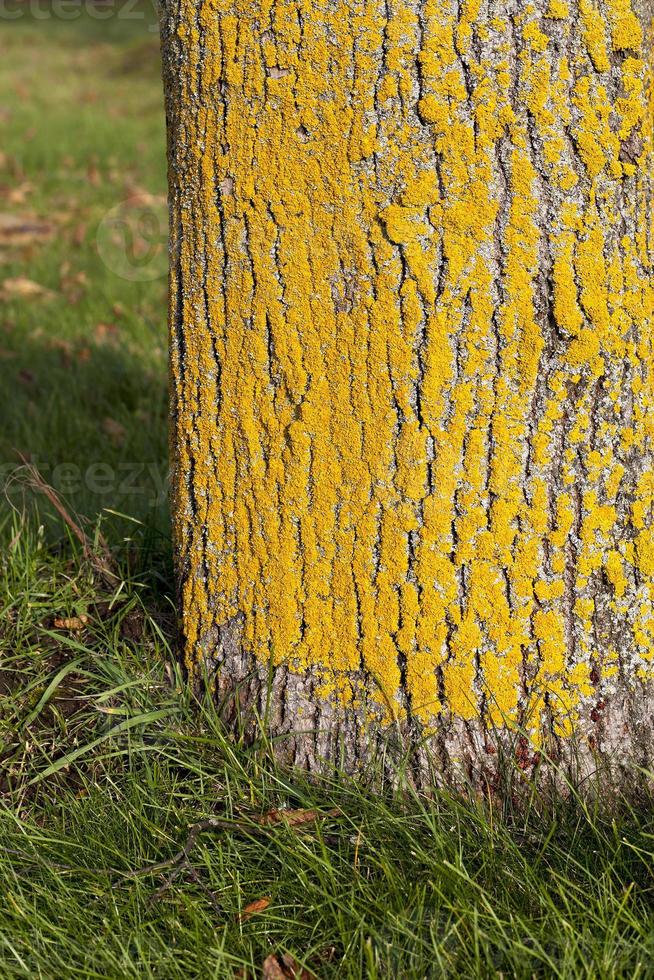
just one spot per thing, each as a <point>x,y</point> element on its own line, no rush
<point>180,861</point>
<point>103,563</point>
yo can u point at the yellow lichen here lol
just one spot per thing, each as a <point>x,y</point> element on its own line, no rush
<point>557,10</point>
<point>415,374</point>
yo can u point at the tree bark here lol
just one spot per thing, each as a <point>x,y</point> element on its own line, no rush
<point>411,375</point>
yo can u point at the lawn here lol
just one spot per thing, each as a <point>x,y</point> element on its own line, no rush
<point>109,765</point>
<point>83,361</point>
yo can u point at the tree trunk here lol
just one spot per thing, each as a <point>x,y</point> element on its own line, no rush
<point>411,373</point>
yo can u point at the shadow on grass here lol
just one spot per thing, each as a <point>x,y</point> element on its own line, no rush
<point>92,418</point>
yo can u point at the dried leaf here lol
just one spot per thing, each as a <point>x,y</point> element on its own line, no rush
<point>104,332</point>
<point>73,285</point>
<point>93,174</point>
<point>273,970</point>
<point>284,967</point>
<point>114,430</point>
<point>8,161</point>
<point>253,908</point>
<point>65,349</point>
<point>22,288</point>
<point>73,625</point>
<point>18,194</point>
<point>23,229</point>
<point>140,197</point>
<point>79,234</point>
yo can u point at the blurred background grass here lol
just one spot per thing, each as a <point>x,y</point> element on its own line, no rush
<point>83,349</point>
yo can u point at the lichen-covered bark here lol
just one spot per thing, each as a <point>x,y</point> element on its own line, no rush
<point>412,370</point>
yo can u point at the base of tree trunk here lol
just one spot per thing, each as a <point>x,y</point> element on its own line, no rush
<point>611,749</point>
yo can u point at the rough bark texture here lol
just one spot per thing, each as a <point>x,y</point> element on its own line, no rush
<point>412,373</point>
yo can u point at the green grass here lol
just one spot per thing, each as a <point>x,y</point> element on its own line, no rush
<point>83,371</point>
<point>107,760</point>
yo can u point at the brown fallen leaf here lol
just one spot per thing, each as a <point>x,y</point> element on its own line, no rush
<point>23,229</point>
<point>18,194</point>
<point>93,174</point>
<point>139,197</point>
<point>282,966</point>
<point>294,818</point>
<point>104,332</point>
<point>65,349</point>
<point>273,969</point>
<point>8,161</point>
<point>72,284</point>
<point>253,908</point>
<point>79,234</point>
<point>114,430</point>
<point>22,288</point>
<point>73,625</point>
